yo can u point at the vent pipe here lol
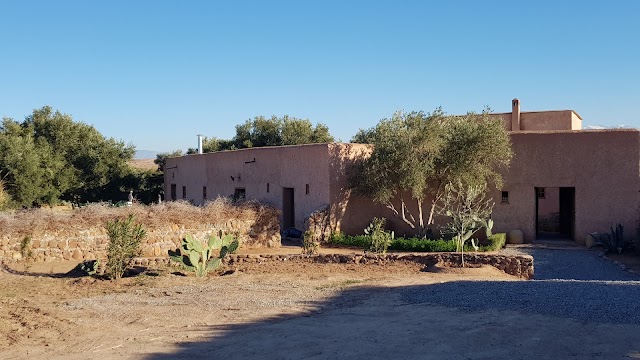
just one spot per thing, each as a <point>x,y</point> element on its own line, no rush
<point>515,115</point>
<point>200,143</point>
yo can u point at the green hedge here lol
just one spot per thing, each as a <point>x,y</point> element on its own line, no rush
<point>493,243</point>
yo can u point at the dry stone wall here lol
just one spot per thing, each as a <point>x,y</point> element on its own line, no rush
<point>90,242</point>
<point>516,265</point>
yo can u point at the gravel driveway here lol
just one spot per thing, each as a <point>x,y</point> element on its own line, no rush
<point>570,283</point>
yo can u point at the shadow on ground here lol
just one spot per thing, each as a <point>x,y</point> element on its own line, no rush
<point>549,319</point>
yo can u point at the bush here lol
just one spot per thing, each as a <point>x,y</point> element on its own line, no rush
<point>361,241</point>
<point>309,243</point>
<point>494,243</point>
<point>380,239</point>
<point>423,245</point>
<point>125,240</point>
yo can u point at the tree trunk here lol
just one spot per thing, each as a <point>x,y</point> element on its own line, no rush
<point>421,217</point>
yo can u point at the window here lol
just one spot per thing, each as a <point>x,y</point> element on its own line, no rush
<point>204,193</point>
<point>173,192</point>
<point>239,194</point>
<point>184,192</point>
<point>505,197</point>
<point>267,187</point>
<point>540,192</point>
<point>306,189</point>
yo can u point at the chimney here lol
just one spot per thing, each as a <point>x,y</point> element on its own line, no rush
<point>515,115</point>
<point>200,143</point>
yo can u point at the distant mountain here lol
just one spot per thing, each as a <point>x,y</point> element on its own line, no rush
<point>145,154</point>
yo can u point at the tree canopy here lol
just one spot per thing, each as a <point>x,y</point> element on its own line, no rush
<point>416,155</point>
<point>273,131</point>
<point>49,157</point>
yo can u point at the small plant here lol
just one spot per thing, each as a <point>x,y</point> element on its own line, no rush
<point>380,239</point>
<point>309,244</point>
<point>197,256</point>
<point>125,239</point>
<point>613,241</point>
<point>90,266</point>
<point>26,252</point>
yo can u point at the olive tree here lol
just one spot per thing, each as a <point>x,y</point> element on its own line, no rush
<point>468,209</point>
<point>415,155</point>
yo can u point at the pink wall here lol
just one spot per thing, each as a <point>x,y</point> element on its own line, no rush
<point>282,166</point>
<point>603,166</point>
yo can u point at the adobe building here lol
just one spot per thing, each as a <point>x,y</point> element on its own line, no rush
<point>563,182</point>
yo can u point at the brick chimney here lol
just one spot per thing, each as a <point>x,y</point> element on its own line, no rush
<point>515,115</point>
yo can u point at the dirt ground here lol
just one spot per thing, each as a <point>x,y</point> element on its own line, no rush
<point>279,311</point>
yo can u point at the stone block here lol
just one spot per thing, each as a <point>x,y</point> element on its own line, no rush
<point>76,255</point>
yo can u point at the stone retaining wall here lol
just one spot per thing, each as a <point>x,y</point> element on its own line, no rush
<point>517,265</point>
<point>91,243</point>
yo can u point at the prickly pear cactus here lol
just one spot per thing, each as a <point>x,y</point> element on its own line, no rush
<point>198,257</point>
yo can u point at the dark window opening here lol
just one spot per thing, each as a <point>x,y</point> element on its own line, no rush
<point>540,192</point>
<point>173,192</point>
<point>184,192</point>
<point>505,197</point>
<point>306,189</point>
<point>239,194</point>
<point>204,193</point>
<point>267,187</point>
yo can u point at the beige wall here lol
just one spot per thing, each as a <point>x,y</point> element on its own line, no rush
<point>283,166</point>
<point>603,166</point>
<point>544,120</point>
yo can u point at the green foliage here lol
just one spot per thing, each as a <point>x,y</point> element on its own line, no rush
<point>493,243</point>
<point>5,199</point>
<point>423,245</point>
<point>361,241</point>
<point>198,257</point>
<point>90,267</point>
<point>273,131</point>
<point>380,239</point>
<point>613,241</point>
<point>146,185</point>
<point>25,248</point>
<point>309,243</point>
<point>468,210</point>
<point>48,157</point>
<point>417,154</point>
<point>161,159</point>
<point>125,238</point>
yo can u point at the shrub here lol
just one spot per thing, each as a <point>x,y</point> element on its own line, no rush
<point>309,243</point>
<point>125,240</point>
<point>361,241</point>
<point>494,242</point>
<point>380,239</point>
<point>423,245</point>
<point>198,257</point>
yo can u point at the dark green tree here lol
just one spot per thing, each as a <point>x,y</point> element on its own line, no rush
<point>50,157</point>
<point>416,155</point>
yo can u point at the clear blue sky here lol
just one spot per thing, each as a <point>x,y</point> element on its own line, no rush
<point>156,73</point>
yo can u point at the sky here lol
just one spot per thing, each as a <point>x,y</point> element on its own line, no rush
<point>157,73</point>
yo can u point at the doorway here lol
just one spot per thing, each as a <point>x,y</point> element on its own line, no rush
<point>555,212</point>
<point>288,209</point>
